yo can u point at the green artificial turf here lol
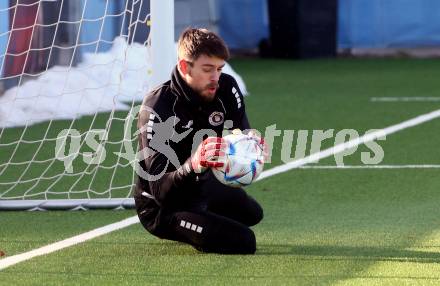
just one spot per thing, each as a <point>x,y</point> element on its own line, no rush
<point>326,227</point>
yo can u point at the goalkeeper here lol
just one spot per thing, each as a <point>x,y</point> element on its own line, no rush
<point>179,198</point>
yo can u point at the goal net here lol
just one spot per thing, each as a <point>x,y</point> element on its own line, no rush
<point>71,76</point>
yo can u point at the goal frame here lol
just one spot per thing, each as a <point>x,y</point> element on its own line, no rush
<point>162,49</point>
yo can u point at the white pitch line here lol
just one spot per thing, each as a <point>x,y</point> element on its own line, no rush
<point>406,99</point>
<point>12,260</point>
<point>350,144</point>
<point>330,167</point>
<point>9,261</point>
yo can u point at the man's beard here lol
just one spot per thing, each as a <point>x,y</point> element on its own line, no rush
<point>208,96</point>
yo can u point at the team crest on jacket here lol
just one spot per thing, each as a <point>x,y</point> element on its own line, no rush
<point>216,118</point>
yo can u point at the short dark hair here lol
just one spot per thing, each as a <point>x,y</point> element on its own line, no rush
<point>196,42</point>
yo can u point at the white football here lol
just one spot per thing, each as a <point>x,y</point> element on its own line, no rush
<point>244,161</point>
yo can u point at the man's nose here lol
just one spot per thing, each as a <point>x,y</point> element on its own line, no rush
<point>215,76</point>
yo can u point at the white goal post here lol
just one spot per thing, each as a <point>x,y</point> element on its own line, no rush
<point>69,82</point>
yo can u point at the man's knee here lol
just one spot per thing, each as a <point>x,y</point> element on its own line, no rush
<point>249,243</point>
<point>257,214</point>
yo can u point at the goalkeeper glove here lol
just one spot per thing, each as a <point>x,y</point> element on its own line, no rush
<point>209,154</point>
<point>260,140</point>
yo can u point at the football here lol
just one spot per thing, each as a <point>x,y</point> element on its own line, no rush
<point>244,161</point>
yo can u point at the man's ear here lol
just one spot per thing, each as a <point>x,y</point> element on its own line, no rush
<point>183,66</point>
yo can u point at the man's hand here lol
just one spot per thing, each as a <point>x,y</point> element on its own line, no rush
<point>210,153</point>
<point>254,135</point>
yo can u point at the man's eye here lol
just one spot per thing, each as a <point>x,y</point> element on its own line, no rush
<point>207,70</point>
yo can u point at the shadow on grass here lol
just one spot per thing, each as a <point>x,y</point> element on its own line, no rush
<point>350,253</point>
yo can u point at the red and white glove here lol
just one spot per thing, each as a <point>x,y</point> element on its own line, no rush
<point>209,154</point>
<point>261,142</point>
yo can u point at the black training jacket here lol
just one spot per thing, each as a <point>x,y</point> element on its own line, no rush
<point>172,122</point>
